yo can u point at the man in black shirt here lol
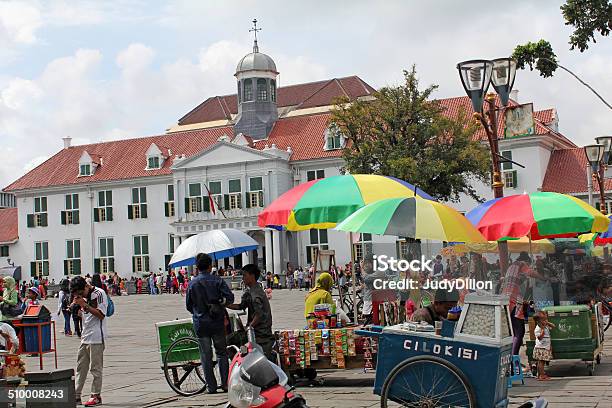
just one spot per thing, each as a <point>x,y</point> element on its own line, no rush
<point>259,316</point>
<point>206,296</point>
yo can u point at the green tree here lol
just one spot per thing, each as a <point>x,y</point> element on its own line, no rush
<point>588,17</point>
<point>405,134</point>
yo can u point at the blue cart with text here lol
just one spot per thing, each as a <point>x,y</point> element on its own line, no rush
<point>466,365</point>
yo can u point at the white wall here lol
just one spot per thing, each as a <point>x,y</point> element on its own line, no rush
<point>121,229</point>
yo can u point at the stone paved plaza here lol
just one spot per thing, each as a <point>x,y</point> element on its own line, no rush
<point>133,378</point>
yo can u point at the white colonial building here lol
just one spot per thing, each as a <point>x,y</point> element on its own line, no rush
<point>126,205</point>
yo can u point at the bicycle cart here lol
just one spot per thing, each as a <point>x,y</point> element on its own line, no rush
<point>179,354</point>
<point>578,335</point>
<point>466,365</point>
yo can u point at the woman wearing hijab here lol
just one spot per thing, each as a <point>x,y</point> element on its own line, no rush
<point>320,294</point>
<point>9,299</point>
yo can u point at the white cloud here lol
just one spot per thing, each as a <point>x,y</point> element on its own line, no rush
<point>19,22</point>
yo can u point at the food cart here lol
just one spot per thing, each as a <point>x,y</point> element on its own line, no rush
<point>578,334</point>
<point>179,353</point>
<point>466,365</point>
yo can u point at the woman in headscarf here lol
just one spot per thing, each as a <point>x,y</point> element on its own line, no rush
<point>321,293</point>
<point>9,299</point>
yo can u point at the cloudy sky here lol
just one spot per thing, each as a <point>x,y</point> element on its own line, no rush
<point>101,70</point>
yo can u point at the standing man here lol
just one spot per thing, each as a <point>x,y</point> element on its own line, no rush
<point>152,289</point>
<point>259,317</point>
<point>207,295</point>
<point>94,302</point>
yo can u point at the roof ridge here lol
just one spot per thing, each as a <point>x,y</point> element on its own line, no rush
<point>342,87</point>
<point>315,92</point>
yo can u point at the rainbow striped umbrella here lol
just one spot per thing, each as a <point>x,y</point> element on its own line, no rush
<point>537,215</point>
<point>323,203</point>
<point>412,217</point>
<point>600,239</point>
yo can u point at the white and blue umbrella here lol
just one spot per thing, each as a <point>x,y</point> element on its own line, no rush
<point>219,244</point>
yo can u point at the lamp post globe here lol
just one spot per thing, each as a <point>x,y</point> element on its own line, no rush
<point>502,77</point>
<point>475,77</point>
<point>594,154</point>
<point>606,142</point>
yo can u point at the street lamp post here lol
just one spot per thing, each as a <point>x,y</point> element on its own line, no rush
<point>598,156</point>
<point>476,76</point>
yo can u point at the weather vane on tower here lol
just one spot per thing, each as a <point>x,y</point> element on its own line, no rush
<point>255,30</point>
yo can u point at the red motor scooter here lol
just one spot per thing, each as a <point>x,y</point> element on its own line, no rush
<point>254,381</point>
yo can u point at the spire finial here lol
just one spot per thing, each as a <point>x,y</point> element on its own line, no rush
<point>255,30</point>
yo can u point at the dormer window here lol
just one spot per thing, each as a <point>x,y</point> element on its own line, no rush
<point>85,170</point>
<point>155,157</point>
<point>153,163</point>
<point>333,138</point>
<point>88,164</point>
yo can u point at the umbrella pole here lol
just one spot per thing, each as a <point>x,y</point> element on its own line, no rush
<point>354,272</point>
<point>530,251</point>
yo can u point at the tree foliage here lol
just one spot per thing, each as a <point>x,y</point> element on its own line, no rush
<point>404,134</point>
<point>588,17</point>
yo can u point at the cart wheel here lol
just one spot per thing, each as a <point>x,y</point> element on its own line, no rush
<point>591,365</point>
<point>182,367</point>
<point>310,373</point>
<point>426,382</point>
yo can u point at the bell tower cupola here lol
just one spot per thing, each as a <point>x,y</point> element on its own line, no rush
<point>256,75</point>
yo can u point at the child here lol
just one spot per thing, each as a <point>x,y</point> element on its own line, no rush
<point>32,298</point>
<point>542,351</point>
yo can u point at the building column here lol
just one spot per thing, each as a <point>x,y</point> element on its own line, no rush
<point>276,237</point>
<point>245,258</point>
<point>269,262</point>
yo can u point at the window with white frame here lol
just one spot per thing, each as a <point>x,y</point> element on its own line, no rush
<point>140,260</point>
<point>106,262</point>
<point>84,170</point>
<point>318,241</point>
<point>215,192</point>
<point>195,198</point>
<point>169,204</point>
<point>510,176</point>
<point>4,250</point>
<point>153,163</point>
<point>40,265</point>
<point>363,246</point>
<point>255,194</point>
<point>72,263</point>
<point>234,189</point>
<point>71,213</point>
<point>315,174</point>
<point>39,217</point>
<point>138,208</point>
<point>171,239</point>
<point>104,210</point>
<point>333,138</point>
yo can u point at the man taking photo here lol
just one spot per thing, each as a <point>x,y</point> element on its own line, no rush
<point>207,295</point>
<point>259,317</point>
<point>93,302</point>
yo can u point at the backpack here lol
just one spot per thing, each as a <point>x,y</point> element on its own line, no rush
<point>65,302</point>
<point>110,309</point>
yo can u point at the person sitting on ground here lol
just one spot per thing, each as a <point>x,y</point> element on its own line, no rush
<point>320,294</point>
<point>9,299</point>
<point>444,301</point>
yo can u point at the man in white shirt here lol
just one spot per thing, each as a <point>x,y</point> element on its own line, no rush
<point>94,302</point>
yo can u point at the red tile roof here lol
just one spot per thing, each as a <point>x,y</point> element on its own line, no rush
<point>542,118</point>
<point>308,95</point>
<point>567,172</point>
<point>8,225</point>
